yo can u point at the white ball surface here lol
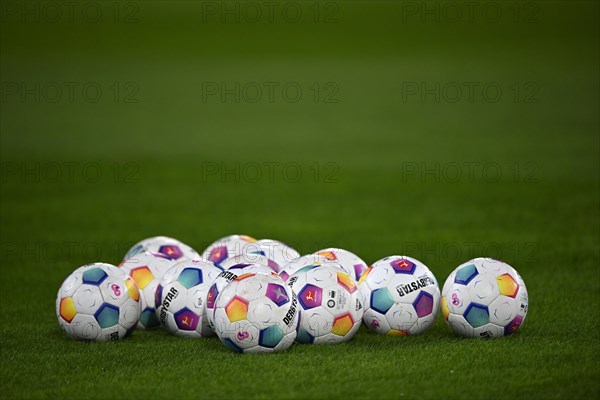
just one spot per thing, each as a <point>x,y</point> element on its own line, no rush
<point>331,304</point>
<point>180,299</point>
<point>484,298</point>
<point>257,313</point>
<point>401,296</point>
<point>98,302</point>
<point>147,269</point>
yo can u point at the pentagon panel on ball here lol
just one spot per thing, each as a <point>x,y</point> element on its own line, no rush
<point>256,313</point>
<point>401,296</point>
<point>180,299</point>
<point>98,302</point>
<point>484,298</point>
<point>332,307</point>
<point>147,269</point>
<point>229,246</point>
<point>164,246</point>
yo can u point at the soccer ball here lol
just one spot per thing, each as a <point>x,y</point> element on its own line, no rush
<point>401,296</point>
<point>352,264</point>
<point>147,269</point>
<point>250,259</point>
<point>225,278</point>
<point>277,251</point>
<point>330,302</point>
<point>257,313</point>
<point>98,302</point>
<point>484,298</point>
<point>168,247</point>
<point>180,299</point>
<point>227,247</point>
<point>298,263</point>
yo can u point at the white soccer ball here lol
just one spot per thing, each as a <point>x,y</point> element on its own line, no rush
<point>352,264</point>
<point>168,247</point>
<point>225,277</point>
<point>147,269</point>
<point>180,299</point>
<point>401,296</point>
<point>484,298</point>
<point>229,246</point>
<point>98,302</point>
<point>257,313</point>
<point>300,262</point>
<point>330,302</point>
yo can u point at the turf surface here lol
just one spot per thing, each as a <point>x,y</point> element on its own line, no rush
<point>383,171</point>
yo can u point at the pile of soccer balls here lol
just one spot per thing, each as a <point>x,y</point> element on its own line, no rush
<point>261,296</point>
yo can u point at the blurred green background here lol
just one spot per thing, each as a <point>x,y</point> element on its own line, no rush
<point>440,130</point>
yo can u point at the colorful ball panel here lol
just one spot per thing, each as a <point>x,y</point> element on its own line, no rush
<point>310,296</point>
<point>507,285</point>
<point>424,304</point>
<point>465,274</point>
<point>270,337</point>
<point>342,325</point>
<point>403,266</point>
<point>190,277</point>
<point>94,276</point>
<point>67,309</point>
<point>142,276</point>
<point>107,316</point>
<point>477,315</point>
<point>277,294</point>
<point>237,309</point>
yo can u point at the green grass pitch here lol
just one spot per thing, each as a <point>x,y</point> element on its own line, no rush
<point>353,126</point>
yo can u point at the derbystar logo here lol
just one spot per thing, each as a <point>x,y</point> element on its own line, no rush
<point>416,285</point>
<point>292,280</point>
<point>289,316</point>
<point>173,293</point>
<point>228,275</point>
